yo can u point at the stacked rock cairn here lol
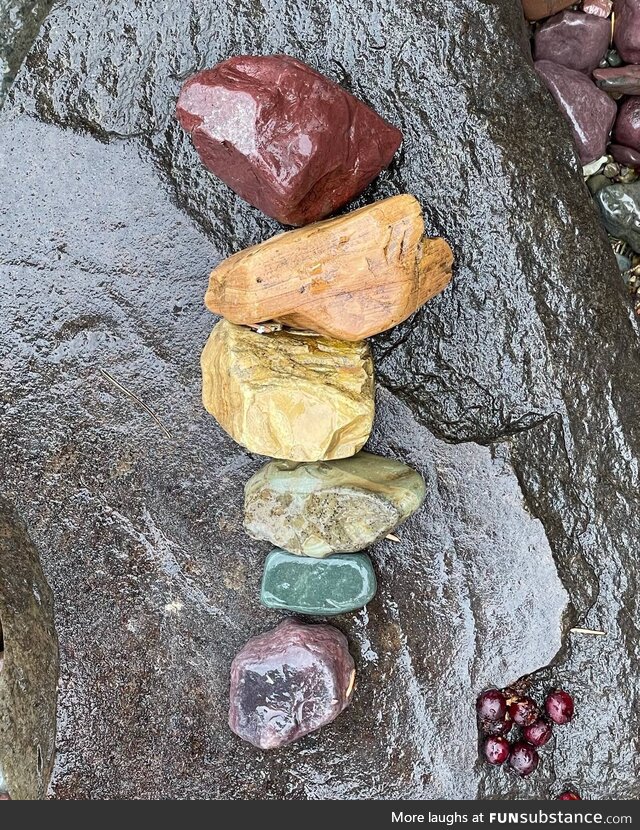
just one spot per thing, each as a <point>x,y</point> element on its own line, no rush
<point>288,372</point>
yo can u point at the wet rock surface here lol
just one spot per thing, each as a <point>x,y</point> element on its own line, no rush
<point>578,41</point>
<point>112,231</point>
<point>288,682</point>
<point>589,111</point>
<point>287,139</point>
<point>19,24</point>
<point>28,665</point>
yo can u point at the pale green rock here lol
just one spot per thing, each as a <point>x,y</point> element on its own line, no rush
<point>316,509</point>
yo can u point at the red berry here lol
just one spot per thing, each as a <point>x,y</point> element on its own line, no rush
<point>496,727</point>
<point>569,796</point>
<point>559,706</point>
<point>492,705</point>
<point>538,734</point>
<point>523,759</point>
<point>524,711</point>
<point>496,750</point>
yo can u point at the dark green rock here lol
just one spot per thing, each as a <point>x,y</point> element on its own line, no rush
<point>326,587</point>
<point>620,209</point>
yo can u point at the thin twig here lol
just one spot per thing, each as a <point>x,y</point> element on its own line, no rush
<point>589,631</point>
<point>135,398</point>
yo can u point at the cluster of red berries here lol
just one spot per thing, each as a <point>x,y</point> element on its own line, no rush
<point>499,711</point>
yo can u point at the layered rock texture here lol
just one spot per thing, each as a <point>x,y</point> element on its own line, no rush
<point>288,395</point>
<point>331,507</point>
<point>347,278</point>
<point>514,393</point>
<point>287,139</point>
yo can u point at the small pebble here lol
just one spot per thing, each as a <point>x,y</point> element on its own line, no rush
<point>611,170</point>
<point>624,263</point>
<point>595,166</point>
<point>596,183</point>
<point>613,58</point>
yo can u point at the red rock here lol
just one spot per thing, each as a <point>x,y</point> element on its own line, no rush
<point>589,111</point>
<point>627,128</point>
<point>285,138</point>
<point>288,682</point>
<point>624,80</point>
<point>537,9</point>
<point>573,39</point>
<point>626,35</point>
<point>5,797</point>
<point>599,8</point>
<point>625,155</point>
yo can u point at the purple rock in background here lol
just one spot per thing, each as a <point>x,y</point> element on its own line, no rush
<point>624,80</point>
<point>589,111</point>
<point>627,129</point>
<point>627,30</point>
<point>625,155</point>
<point>288,682</point>
<point>573,39</point>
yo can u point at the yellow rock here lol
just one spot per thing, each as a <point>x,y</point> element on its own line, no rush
<point>289,395</point>
<point>350,277</point>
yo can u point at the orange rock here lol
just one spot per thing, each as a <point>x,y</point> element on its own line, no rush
<point>348,278</point>
<point>537,9</point>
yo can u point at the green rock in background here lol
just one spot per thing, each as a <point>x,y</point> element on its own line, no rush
<point>317,586</point>
<point>315,509</point>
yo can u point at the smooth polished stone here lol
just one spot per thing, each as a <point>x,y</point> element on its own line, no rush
<point>620,208</point>
<point>627,126</point>
<point>626,34</point>
<point>348,278</point>
<point>288,682</point>
<point>288,395</point>
<point>625,155</point>
<point>537,9</point>
<point>624,80</point>
<point>331,507</point>
<point>326,587</point>
<point>573,39</point>
<point>288,140</point>
<point>589,111</point>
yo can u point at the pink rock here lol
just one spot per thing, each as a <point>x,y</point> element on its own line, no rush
<point>288,682</point>
<point>589,111</point>
<point>601,8</point>
<point>627,128</point>
<point>573,39</point>
<point>285,138</point>
<point>627,29</point>
<point>625,155</point>
<point>623,80</point>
